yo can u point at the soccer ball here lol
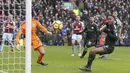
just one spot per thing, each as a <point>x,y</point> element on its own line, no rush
<point>57,24</point>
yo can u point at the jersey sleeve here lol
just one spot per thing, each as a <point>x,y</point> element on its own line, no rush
<point>41,27</point>
<point>85,29</point>
<point>21,29</point>
<point>119,23</point>
<point>82,25</point>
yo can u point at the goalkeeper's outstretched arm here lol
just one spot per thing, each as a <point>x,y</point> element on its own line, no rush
<point>43,28</point>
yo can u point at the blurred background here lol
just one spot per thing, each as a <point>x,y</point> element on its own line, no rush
<point>47,11</point>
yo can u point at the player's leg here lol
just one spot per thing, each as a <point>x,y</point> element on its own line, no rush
<point>73,47</point>
<point>37,45</point>
<point>41,55</point>
<point>4,37</point>
<point>73,44</point>
<point>10,38</point>
<point>85,51</point>
<point>87,44</point>
<point>2,45</point>
<point>79,44</point>
<point>91,57</point>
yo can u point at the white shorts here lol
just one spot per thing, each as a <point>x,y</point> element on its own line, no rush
<point>7,36</point>
<point>76,36</point>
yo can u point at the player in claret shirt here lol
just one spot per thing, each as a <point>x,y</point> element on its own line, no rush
<point>77,27</point>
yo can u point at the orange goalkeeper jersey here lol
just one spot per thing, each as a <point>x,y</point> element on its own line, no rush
<point>35,24</point>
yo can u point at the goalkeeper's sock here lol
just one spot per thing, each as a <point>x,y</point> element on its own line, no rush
<point>40,58</point>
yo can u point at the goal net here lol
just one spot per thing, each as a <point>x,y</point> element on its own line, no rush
<point>12,13</point>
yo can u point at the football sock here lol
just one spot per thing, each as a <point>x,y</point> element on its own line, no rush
<point>84,53</point>
<point>90,60</point>
<point>40,58</point>
<point>2,46</point>
<point>12,46</point>
<point>73,49</point>
<point>79,48</point>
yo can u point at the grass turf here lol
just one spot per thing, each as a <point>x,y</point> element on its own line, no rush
<point>60,61</point>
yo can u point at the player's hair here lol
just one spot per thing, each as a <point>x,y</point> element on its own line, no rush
<point>111,16</point>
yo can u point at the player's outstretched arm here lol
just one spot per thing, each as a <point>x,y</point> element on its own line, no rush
<point>48,33</point>
<point>43,28</point>
<point>18,35</point>
<point>17,39</point>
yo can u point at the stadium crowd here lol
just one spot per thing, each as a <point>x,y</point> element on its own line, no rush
<point>47,11</point>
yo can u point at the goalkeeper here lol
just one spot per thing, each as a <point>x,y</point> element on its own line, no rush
<point>35,40</point>
<point>91,35</point>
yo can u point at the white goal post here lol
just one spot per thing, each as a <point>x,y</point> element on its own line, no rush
<point>28,36</point>
<point>14,60</point>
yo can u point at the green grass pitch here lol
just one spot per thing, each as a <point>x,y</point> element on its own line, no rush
<point>60,61</point>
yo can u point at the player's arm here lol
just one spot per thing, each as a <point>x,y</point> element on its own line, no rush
<point>21,29</point>
<point>119,32</point>
<point>102,28</point>
<point>84,30</point>
<point>97,35</point>
<point>113,35</point>
<point>18,36</point>
<point>82,26</point>
<point>119,23</point>
<point>17,39</point>
<point>43,28</point>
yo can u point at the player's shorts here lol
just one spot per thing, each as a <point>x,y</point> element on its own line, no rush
<point>76,36</point>
<point>108,49</point>
<point>36,44</point>
<point>89,43</point>
<point>7,36</point>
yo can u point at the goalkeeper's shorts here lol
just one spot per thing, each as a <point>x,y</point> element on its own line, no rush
<point>36,44</point>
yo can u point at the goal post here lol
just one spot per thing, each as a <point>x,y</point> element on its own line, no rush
<point>12,59</point>
<point>28,36</point>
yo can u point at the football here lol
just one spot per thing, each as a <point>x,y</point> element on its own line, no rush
<point>57,24</point>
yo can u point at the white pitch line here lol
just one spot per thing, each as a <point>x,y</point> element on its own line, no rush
<point>1,71</point>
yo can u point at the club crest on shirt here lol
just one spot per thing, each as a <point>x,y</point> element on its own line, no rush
<point>92,27</point>
<point>76,26</point>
